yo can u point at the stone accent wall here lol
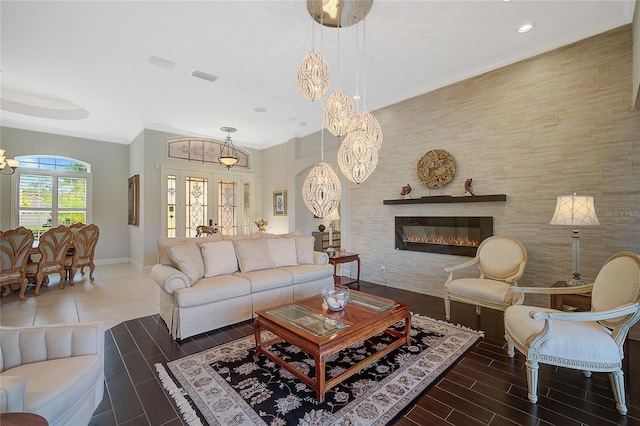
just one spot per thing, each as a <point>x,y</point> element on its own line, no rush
<point>558,123</point>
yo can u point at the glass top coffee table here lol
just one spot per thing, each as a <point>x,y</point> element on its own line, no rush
<point>309,325</point>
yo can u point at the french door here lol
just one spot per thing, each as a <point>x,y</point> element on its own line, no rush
<point>192,198</point>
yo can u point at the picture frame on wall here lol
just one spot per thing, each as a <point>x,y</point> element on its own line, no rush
<point>134,200</point>
<point>280,203</point>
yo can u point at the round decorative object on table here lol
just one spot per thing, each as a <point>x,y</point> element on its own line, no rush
<point>321,228</point>
<point>436,168</point>
<point>336,298</point>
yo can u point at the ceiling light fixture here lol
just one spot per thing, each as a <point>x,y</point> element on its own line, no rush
<point>8,164</point>
<point>228,155</point>
<point>525,28</point>
<point>314,76</point>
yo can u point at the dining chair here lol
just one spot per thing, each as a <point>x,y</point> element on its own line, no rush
<point>84,245</point>
<point>53,247</point>
<point>15,249</point>
<point>501,261</point>
<point>587,341</point>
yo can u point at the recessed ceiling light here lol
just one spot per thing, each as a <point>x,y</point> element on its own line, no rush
<point>525,28</point>
<point>260,109</point>
<point>303,123</point>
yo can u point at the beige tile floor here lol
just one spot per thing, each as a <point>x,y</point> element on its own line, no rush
<point>118,293</point>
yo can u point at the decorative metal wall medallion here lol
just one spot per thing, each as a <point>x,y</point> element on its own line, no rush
<point>436,168</point>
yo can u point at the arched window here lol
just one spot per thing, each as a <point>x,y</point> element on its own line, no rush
<point>52,191</point>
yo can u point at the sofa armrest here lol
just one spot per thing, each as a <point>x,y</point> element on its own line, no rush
<point>12,394</point>
<point>320,258</point>
<point>169,278</point>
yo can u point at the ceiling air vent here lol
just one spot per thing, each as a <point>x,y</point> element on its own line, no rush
<point>203,75</point>
<point>161,62</point>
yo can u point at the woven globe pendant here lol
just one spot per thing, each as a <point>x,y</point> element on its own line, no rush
<point>357,157</point>
<point>338,113</point>
<point>314,76</point>
<point>321,190</point>
<point>368,123</point>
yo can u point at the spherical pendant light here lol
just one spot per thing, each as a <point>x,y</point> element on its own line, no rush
<point>338,113</point>
<point>357,157</point>
<point>314,76</point>
<point>369,124</point>
<point>321,190</point>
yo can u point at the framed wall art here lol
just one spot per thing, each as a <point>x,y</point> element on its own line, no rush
<point>134,200</point>
<point>280,203</point>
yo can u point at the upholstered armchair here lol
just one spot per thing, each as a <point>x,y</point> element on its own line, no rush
<point>52,246</point>
<point>15,248</point>
<point>587,341</point>
<point>55,371</point>
<point>501,261</point>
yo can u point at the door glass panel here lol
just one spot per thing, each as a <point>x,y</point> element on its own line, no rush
<point>246,213</point>
<point>196,205</point>
<point>171,206</point>
<point>227,207</point>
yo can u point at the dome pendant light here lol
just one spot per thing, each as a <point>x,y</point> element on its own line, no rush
<point>321,190</point>
<point>228,155</point>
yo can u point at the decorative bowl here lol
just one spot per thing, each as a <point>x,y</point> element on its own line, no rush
<point>336,298</point>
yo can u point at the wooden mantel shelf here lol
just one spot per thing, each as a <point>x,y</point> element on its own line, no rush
<point>448,199</point>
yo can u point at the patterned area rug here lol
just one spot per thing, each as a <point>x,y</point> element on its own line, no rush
<point>228,385</point>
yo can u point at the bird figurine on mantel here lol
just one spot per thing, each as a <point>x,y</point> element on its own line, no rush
<point>405,190</point>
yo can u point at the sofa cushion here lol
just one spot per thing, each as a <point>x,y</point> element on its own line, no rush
<point>219,258</point>
<point>267,279</point>
<point>214,289</point>
<point>306,273</point>
<point>54,386</point>
<point>304,250</point>
<point>165,242</point>
<point>282,251</point>
<point>254,236</point>
<point>253,255</point>
<point>188,259</point>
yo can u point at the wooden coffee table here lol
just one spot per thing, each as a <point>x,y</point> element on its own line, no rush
<point>309,325</point>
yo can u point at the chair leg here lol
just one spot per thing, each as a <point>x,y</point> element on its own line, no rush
<point>586,373</point>
<point>92,268</point>
<point>510,349</point>
<point>532,380</point>
<point>478,310</point>
<point>447,308</point>
<point>39,279</point>
<point>6,290</point>
<point>23,288</point>
<point>617,385</point>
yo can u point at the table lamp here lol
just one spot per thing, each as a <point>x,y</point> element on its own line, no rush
<point>575,210</point>
<point>332,217</point>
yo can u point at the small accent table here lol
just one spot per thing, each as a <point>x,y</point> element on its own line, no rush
<point>581,301</point>
<point>22,419</point>
<point>344,257</point>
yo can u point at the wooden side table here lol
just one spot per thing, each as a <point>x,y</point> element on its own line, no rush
<point>344,257</point>
<point>22,419</point>
<point>580,301</point>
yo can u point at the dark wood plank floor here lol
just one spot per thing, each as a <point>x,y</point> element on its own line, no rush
<point>485,388</point>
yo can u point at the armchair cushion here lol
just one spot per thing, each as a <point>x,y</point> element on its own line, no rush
<point>188,259</point>
<point>219,258</point>
<point>585,341</point>
<point>480,289</point>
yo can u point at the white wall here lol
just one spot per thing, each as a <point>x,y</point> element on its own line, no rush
<point>109,166</point>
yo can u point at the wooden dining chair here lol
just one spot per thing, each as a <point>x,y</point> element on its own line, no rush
<point>53,247</point>
<point>84,245</point>
<point>15,248</point>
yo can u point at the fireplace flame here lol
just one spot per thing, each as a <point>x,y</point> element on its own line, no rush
<point>446,240</point>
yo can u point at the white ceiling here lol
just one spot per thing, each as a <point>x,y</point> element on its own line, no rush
<point>96,54</point>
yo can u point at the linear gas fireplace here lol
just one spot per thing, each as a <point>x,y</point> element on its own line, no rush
<point>446,235</point>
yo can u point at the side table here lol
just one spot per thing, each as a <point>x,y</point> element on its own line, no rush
<point>22,419</point>
<point>581,301</point>
<point>344,257</point>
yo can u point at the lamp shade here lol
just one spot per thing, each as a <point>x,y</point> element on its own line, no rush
<point>333,215</point>
<point>575,210</point>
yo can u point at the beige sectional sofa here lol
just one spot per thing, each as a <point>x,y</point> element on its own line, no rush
<point>210,282</point>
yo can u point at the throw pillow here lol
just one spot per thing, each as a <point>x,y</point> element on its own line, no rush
<point>253,236</point>
<point>282,251</point>
<point>253,255</point>
<point>304,250</point>
<point>219,258</point>
<point>188,259</point>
